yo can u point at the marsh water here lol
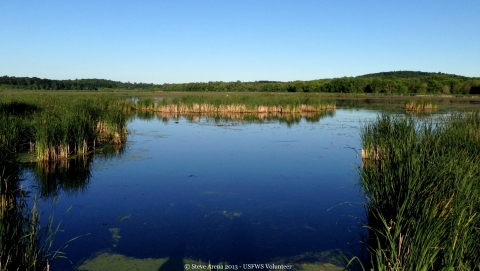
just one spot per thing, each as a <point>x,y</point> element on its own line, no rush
<point>210,189</point>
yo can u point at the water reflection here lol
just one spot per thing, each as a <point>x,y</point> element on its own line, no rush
<point>20,231</point>
<point>236,189</point>
<point>70,176</point>
<point>231,118</point>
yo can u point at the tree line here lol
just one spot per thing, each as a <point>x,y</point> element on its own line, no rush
<point>400,82</point>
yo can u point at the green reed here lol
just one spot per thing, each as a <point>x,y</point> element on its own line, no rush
<point>420,105</point>
<point>60,126</point>
<point>146,104</point>
<point>54,127</point>
<point>239,103</point>
<point>422,183</point>
<point>252,102</point>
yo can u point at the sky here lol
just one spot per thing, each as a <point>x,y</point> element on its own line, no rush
<point>180,41</point>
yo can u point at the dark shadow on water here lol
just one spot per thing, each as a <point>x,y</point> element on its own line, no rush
<point>175,262</point>
<point>240,248</point>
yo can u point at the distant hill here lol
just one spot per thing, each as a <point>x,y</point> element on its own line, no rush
<point>409,74</point>
<point>399,82</point>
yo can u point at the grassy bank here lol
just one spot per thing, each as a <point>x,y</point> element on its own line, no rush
<point>422,182</point>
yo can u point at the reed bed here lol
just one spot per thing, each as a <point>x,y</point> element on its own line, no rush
<point>419,106</point>
<point>58,127</point>
<point>422,183</point>
<point>54,127</point>
<point>237,104</point>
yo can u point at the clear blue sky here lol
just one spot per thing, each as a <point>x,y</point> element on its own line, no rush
<point>177,41</point>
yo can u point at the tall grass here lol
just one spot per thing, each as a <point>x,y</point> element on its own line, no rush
<point>420,105</point>
<point>54,127</point>
<point>24,243</point>
<point>422,182</point>
<point>57,127</point>
<point>267,103</point>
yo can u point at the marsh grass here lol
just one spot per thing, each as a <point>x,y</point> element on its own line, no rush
<point>267,103</point>
<point>55,127</point>
<point>145,104</point>
<point>287,108</point>
<point>420,105</point>
<point>422,183</point>
<point>59,126</point>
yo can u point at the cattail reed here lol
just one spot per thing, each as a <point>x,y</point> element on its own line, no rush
<point>238,104</point>
<point>58,127</point>
<point>419,106</point>
<point>422,183</point>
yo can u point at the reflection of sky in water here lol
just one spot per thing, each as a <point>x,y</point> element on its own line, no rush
<point>234,192</point>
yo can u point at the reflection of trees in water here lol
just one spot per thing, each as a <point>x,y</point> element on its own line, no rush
<point>234,118</point>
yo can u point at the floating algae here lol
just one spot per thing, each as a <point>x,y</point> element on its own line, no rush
<point>108,261</point>
<point>121,218</point>
<point>320,267</point>
<point>115,235</point>
<point>231,214</point>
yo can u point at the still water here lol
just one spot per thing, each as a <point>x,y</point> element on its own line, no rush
<point>217,191</point>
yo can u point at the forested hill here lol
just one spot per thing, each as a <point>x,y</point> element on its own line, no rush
<point>408,74</point>
<point>400,82</point>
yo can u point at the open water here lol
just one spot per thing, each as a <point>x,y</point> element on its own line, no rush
<point>215,190</point>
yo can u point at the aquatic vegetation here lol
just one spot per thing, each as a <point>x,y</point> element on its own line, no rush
<point>221,117</point>
<point>59,126</point>
<point>267,103</point>
<point>115,236</point>
<point>24,243</point>
<point>146,104</point>
<point>54,127</point>
<point>420,105</point>
<point>422,183</point>
<point>110,261</point>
